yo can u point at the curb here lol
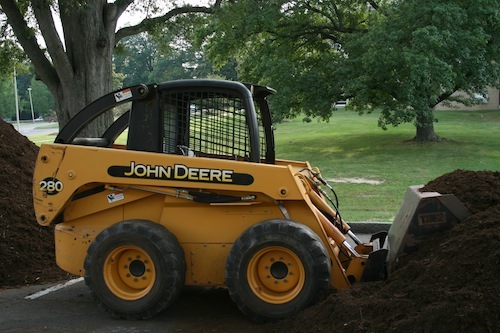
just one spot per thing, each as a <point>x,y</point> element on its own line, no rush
<point>369,227</point>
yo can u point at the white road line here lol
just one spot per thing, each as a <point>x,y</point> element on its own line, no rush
<point>53,288</point>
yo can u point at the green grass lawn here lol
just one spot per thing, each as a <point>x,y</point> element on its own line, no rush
<point>352,146</point>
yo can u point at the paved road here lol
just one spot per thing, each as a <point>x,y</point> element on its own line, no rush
<point>71,309</point>
<point>28,128</point>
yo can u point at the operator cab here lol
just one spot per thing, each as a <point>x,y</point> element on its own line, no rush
<point>203,118</point>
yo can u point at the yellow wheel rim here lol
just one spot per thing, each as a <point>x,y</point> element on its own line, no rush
<point>129,272</point>
<point>276,275</point>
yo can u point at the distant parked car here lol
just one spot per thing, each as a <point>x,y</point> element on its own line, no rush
<point>341,104</point>
<point>482,98</point>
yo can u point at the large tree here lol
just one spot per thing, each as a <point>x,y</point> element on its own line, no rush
<point>401,56</point>
<point>418,54</point>
<point>77,68</point>
<point>293,46</point>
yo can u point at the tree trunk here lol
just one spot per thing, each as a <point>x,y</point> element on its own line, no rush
<point>80,70</point>
<point>425,127</point>
<point>426,133</point>
<point>89,41</point>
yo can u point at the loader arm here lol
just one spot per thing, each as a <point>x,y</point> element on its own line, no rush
<point>83,118</point>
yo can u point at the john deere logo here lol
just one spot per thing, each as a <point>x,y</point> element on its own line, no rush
<point>180,172</point>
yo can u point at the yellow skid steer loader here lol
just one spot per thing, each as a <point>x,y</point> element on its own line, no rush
<point>184,189</point>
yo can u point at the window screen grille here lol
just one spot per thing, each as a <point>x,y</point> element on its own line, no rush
<point>206,124</point>
<point>262,134</point>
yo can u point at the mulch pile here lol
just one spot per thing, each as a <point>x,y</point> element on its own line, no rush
<point>26,248</point>
<point>449,285</point>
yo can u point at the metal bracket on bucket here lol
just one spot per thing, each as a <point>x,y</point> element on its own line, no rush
<point>375,268</point>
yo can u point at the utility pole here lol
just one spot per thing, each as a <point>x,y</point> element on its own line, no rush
<point>31,103</point>
<point>17,102</point>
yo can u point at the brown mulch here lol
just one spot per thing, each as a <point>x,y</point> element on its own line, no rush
<point>478,190</point>
<point>26,248</point>
<point>451,284</point>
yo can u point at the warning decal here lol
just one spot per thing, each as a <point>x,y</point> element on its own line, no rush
<point>123,95</point>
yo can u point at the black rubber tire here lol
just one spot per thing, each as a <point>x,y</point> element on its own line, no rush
<point>140,252</point>
<point>269,255</point>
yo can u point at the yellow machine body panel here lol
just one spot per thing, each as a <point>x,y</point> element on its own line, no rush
<point>87,192</point>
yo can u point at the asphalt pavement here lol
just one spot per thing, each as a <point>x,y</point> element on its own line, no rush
<point>68,307</point>
<point>71,309</point>
<point>28,128</point>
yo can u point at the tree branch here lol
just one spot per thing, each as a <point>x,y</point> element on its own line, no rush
<point>26,37</point>
<point>338,23</point>
<point>114,10</point>
<point>147,23</point>
<point>121,6</point>
<point>374,4</point>
<point>55,47</point>
<point>445,95</point>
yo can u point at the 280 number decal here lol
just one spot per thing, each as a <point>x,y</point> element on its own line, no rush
<point>51,186</point>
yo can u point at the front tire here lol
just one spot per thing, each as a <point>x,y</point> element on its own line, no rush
<point>135,269</point>
<point>276,268</point>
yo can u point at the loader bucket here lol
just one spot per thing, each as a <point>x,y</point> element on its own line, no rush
<point>421,215</point>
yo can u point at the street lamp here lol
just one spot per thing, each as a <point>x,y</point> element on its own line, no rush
<point>17,102</point>
<point>31,103</point>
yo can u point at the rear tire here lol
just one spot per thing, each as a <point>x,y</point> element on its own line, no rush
<point>277,268</point>
<point>135,269</point>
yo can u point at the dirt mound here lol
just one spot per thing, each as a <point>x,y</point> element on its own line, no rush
<point>477,190</point>
<point>26,249</point>
<point>449,285</point>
